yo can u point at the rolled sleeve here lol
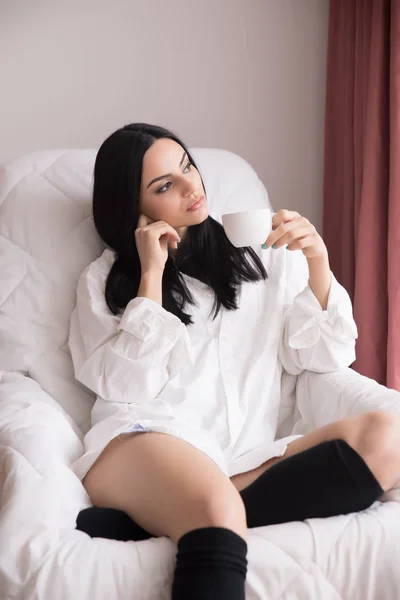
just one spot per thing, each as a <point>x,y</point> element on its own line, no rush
<point>159,331</point>
<point>143,318</point>
<point>125,358</point>
<point>307,321</point>
<point>312,338</point>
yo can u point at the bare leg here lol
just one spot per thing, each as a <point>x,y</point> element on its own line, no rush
<point>167,486</point>
<point>375,436</point>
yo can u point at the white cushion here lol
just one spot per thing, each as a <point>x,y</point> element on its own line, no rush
<point>47,238</point>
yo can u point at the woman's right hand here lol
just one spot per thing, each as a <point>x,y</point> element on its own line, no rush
<point>152,238</point>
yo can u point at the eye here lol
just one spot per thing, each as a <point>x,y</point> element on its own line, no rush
<point>163,188</point>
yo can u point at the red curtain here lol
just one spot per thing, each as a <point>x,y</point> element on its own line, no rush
<point>361,213</point>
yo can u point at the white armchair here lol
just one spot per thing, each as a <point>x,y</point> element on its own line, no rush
<point>47,237</point>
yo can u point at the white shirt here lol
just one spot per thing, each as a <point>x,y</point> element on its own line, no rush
<point>217,383</point>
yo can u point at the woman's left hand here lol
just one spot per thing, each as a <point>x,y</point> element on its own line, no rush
<point>290,228</point>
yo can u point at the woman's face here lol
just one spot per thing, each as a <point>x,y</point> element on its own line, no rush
<point>170,185</point>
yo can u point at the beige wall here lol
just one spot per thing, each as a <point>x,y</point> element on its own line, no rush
<point>245,75</point>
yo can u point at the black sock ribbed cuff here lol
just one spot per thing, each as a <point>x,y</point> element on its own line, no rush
<point>211,564</point>
<point>206,536</point>
<point>209,546</point>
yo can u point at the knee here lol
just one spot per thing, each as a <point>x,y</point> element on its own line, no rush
<point>377,440</point>
<point>225,508</point>
<point>378,431</point>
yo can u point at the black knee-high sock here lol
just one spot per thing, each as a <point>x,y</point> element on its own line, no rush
<point>211,564</point>
<point>325,480</point>
<point>110,523</point>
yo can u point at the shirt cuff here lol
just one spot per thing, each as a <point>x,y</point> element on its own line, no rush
<point>144,317</point>
<point>307,321</point>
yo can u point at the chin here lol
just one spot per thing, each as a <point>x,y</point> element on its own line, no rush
<point>199,216</point>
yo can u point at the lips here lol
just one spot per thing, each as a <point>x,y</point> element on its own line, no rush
<point>196,204</point>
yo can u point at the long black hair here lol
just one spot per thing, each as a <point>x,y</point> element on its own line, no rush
<point>205,253</point>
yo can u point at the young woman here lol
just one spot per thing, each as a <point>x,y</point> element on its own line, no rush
<point>183,338</point>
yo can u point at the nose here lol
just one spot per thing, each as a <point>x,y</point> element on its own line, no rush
<point>192,192</point>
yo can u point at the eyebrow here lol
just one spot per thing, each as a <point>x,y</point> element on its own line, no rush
<point>167,175</point>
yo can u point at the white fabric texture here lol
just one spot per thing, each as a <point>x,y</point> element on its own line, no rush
<point>215,383</point>
<point>47,239</point>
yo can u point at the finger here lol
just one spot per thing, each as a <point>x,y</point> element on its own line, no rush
<point>174,240</point>
<point>284,216</point>
<point>172,244</point>
<point>285,227</point>
<point>167,240</point>
<point>160,229</point>
<point>164,242</point>
<point>301,243</point>
<point>290,235</point>
<point>143,220</point>
<point>155,224</point>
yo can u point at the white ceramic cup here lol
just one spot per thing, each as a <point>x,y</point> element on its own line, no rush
<point>248,228</point>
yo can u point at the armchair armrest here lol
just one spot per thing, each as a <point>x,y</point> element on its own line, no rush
<point>323,398</point>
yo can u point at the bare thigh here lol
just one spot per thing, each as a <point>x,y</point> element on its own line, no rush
<point>370,434</point>
<point>166,485</point>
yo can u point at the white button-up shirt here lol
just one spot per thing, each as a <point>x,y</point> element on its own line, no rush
<point>217,383</point>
